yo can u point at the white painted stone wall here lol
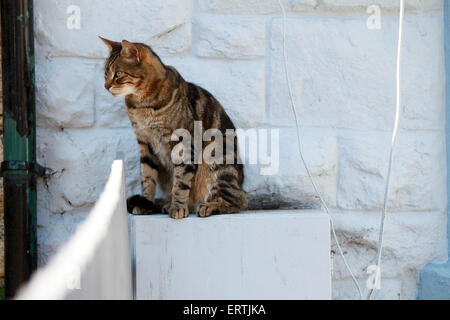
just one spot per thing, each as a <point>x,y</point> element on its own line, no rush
<point>343,76</point>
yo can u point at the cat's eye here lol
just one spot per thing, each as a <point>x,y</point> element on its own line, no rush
<point>119,74</point>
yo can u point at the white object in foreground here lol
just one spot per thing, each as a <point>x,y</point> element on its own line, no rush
<point>252,255</point>
<point>95,263</point>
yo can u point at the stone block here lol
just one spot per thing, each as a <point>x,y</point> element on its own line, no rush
<point>241,7</point>
<point>290,185</point>
<point>346,290</point>
<point>173,41</point>
<point>417,179</point>
<point>136,21</point>
<point>343,74</point>
<point>239,86</point>
<point>386,5</point>
<point>405,248</point>
<point>231,37</point>
<point>65,94</point>
<point>80,161</point>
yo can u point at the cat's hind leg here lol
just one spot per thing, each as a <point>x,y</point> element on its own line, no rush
<point>225,193</point>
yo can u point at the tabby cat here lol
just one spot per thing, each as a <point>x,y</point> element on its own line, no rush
<point>159,101</point>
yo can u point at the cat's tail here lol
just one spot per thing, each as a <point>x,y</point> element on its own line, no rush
<point>138,204</point>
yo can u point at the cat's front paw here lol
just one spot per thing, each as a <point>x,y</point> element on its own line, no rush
<point>139,205</point>
<point>178,211</point>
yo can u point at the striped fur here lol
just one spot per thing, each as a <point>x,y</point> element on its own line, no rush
<point>158,101</point>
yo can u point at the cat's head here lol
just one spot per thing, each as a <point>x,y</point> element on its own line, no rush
<point>131,68</point>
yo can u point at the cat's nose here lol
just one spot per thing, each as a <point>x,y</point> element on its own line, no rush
<point>107,85</point>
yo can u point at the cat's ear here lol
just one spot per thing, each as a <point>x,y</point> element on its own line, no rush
<point>111,44</point>
<point>131,51</point>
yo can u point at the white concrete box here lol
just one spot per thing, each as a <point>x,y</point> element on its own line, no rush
<point>252,255</point>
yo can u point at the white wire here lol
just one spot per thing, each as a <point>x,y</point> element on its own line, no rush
<point>394,138</point>
<point>301,153</point>
<point>391,153</point>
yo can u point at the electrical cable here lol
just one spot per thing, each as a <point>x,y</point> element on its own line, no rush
<point>302,158</point>
<point>394,138</point>
<point>391,155</point>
